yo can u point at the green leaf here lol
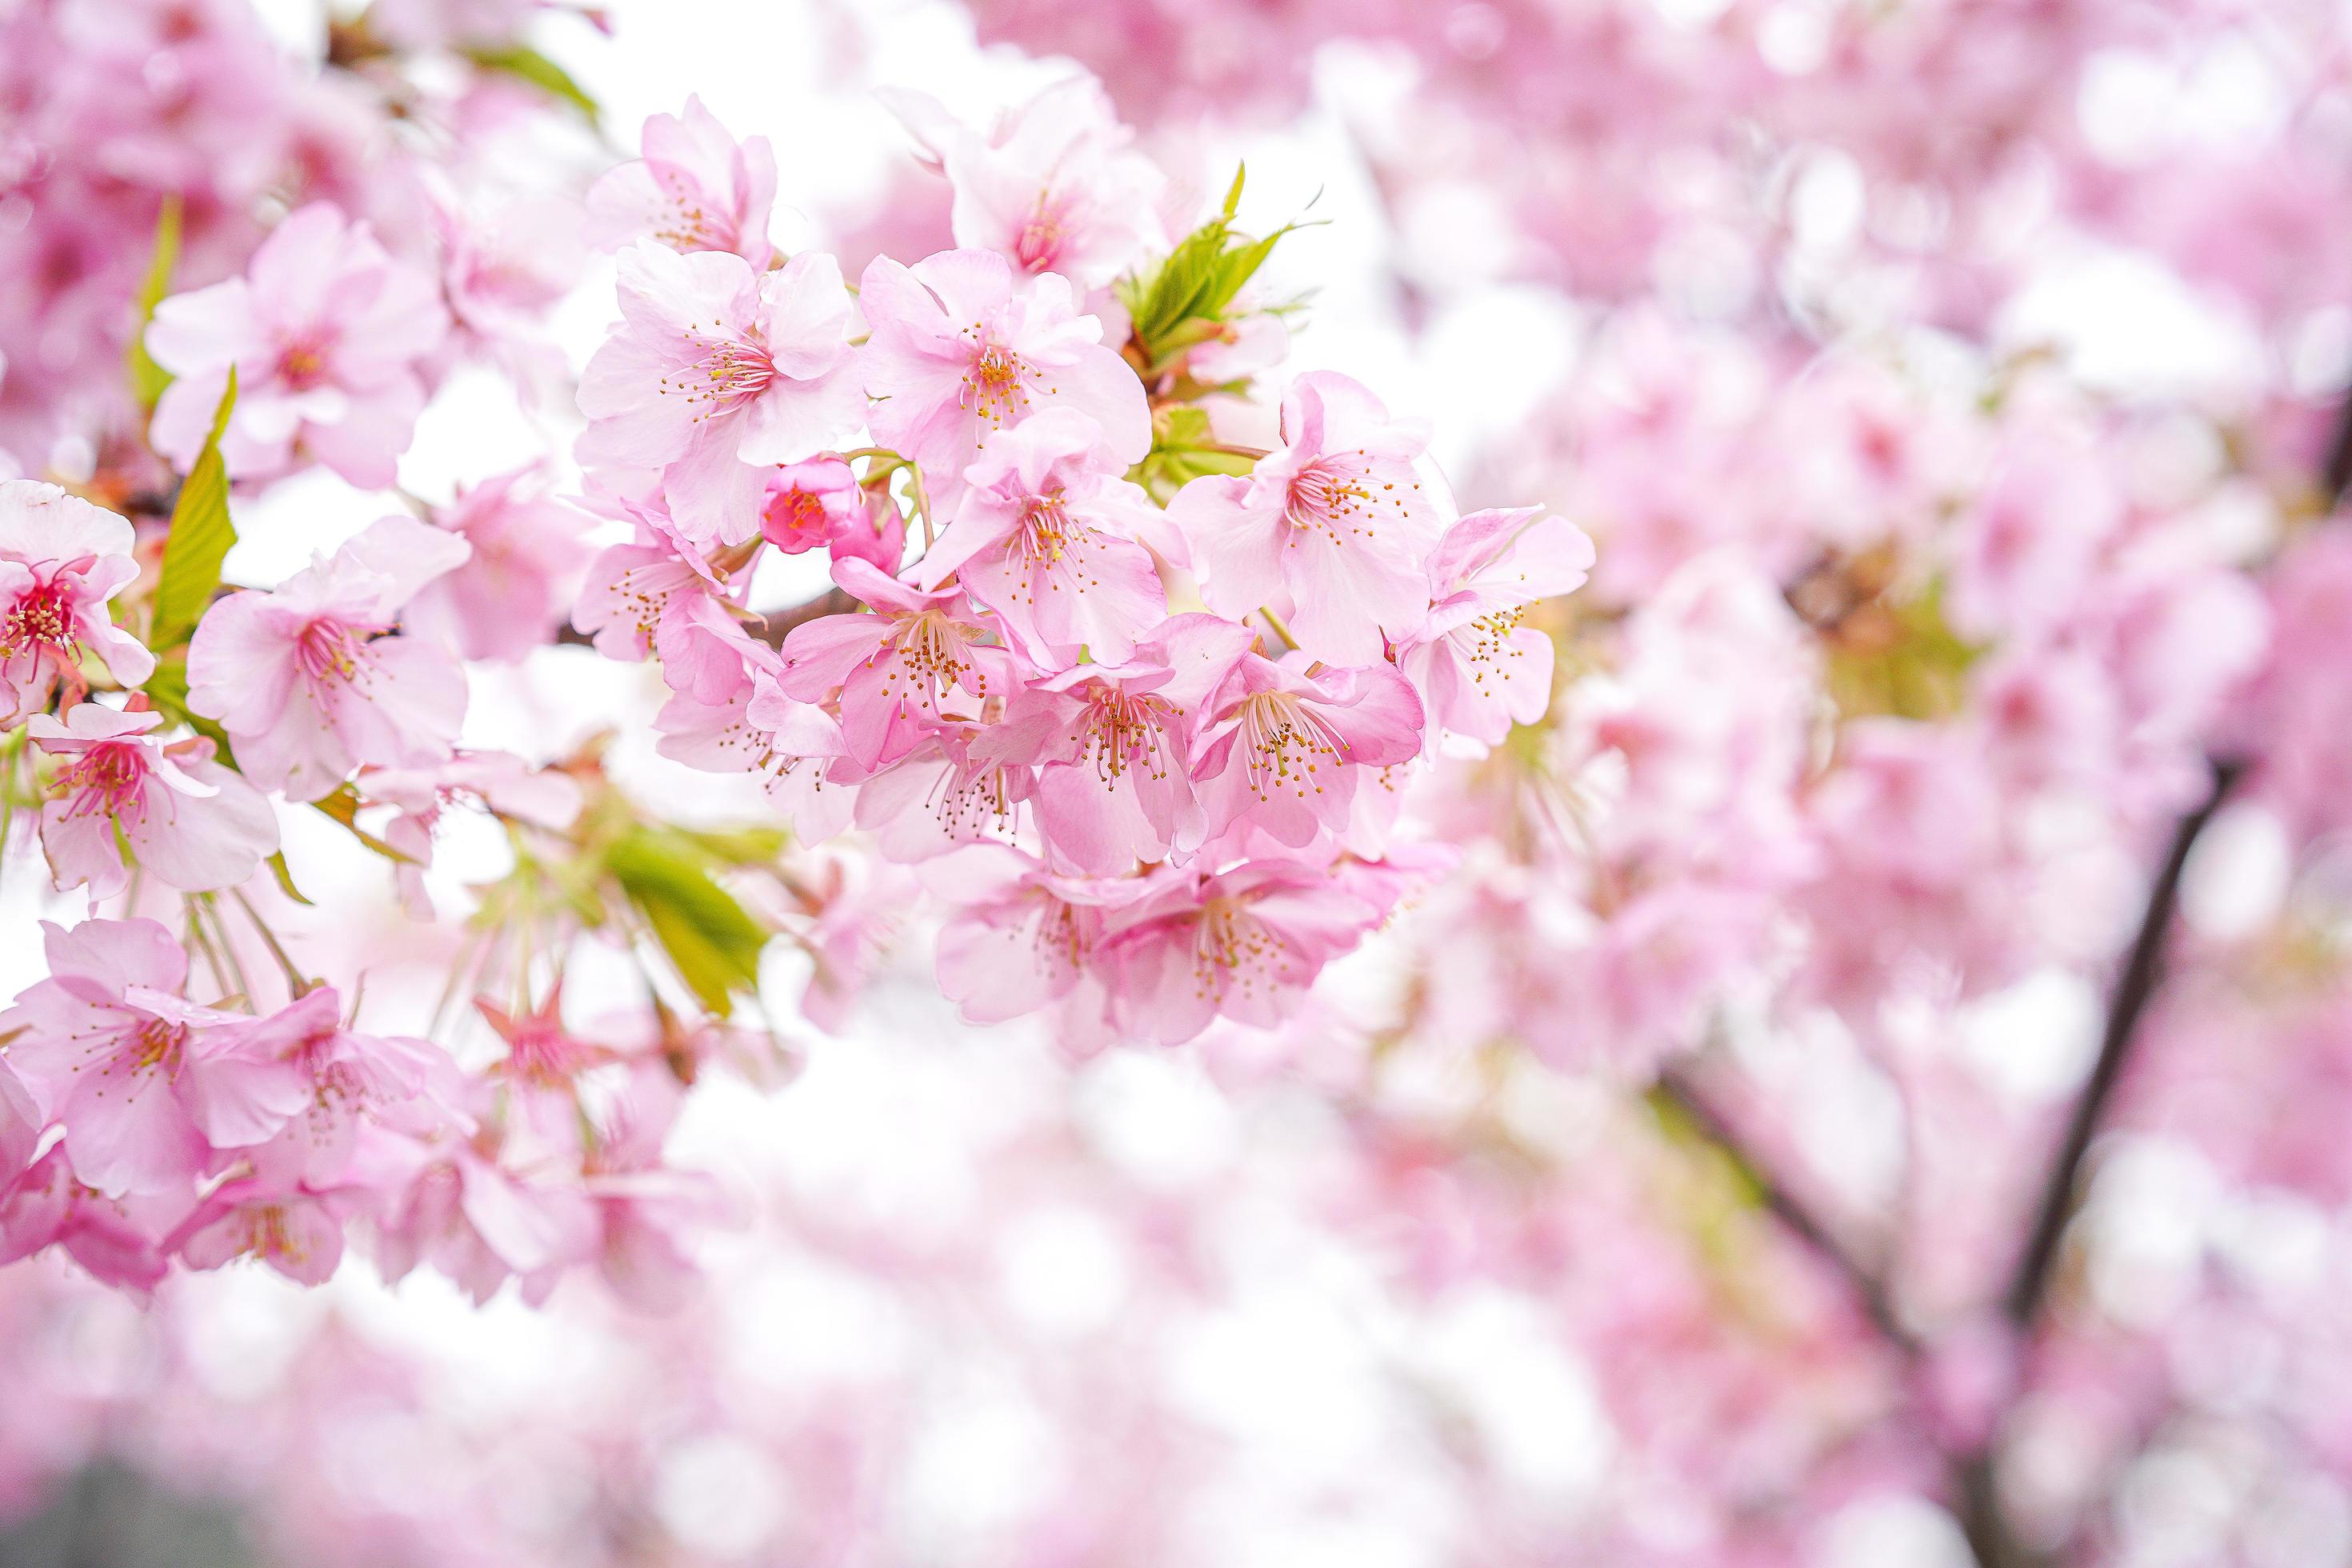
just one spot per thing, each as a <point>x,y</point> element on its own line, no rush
<point>712,942</point>
<point>286,877</point>
<point>149,379</point>
<point>200,537</point>
<point>1183,448</point>
<point>1902,659</point>
<point>1183,299</point>
<point>526,64</point>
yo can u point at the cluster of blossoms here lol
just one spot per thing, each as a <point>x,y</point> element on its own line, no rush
<point>1141,702</point>
<point>1147,741</point>
<point>179,1087</point>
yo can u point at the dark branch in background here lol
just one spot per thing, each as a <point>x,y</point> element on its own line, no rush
<point>1868,1291</point>
<point>2142,971</point>
<point>770,629</point>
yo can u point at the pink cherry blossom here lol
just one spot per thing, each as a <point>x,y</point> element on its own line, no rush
<point>61,559</point>
<point>21,1120</point>
<point>1046,539</point>
<point>895,670</point>
<point>1055,187</point>
<point>299,1233</point>
<point>325,332</point>
<point>1244,945</point>
<point>191,822</point>
<point>716,373</point>
<point>1336,522</point>
<point>147,1084</point>
<point>1022,938</point>
<point>117,1238</point>
<point>515,588</point>
<point>819,505</point>
<point>1115,744</point>
<point>791,745</point>
<point>696,188</point>
<point>1284,749</point>
<point>350,1080</point>
<point>1478,668</point>
<point>313,679</point>
<point>958,353</point>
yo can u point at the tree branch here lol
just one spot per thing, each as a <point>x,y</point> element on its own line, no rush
<point>772,628</point>
<point>1868,1291</point>
<point>2134,989</point>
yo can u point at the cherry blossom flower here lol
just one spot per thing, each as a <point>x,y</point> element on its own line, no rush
<point>1046,539</point>
<point>696,188</point>
<point>819,505</point>
<point>1022,938</point>
<point>313,679</point>
<point>21,1120</point>
<point>1478,668</point>
<point>116,1238</point>
<point>1243,945</point>
<point>147,1084</point>
<point>350,1080</point>
<point>716,373</point>
<point>191,822</point>
<point>299,1233</point>
<point>505,598</point>
<point>325,332</point>
<point>1055,187</point>
<point>1114,745</point>
<point>1337,523</point>
<point>791,745</point>
<point>958,353</point>
<point>1284,749</point>
<point>893,669</point>
<point>61,559</point>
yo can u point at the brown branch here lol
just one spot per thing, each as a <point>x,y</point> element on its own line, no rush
<point>1868,1291</point>
<point>772,630</point>
<point>2142,971</point>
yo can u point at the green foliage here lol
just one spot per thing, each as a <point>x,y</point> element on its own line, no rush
<point>1181,302</point>
<point>149,379</point>
<point>528,65</point>
<point>1182,449</point>
<point>1902,659</point>
<point>667,874</point>
<point>200,537</point>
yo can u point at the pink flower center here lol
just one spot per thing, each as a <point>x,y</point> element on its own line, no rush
<point>1039,244</point>
<point>996,387</point>
<point>1123,736</point>
<point>42,617</point>
<point>152,1044</point>
<point>796,520</point>
<point>1487,640</point>
<point>1232,948</point>
<point>331,649</point>
<point>1282,738</point>
<point>686,222</point>
<point>726,374</point>
<point>1335,496</point>
<point>302,364</point>
<point>544,1055</point>
<point>933,653</point>
<point>108,780</point>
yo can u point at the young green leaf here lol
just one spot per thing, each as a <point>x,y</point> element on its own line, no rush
<point>712,942</point>
<point>526,64</point>
<point>149,379</point>
<point>200,537</point>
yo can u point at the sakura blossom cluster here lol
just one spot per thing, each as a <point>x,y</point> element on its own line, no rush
<point>180,1086</point>
<point>1147,741</point>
